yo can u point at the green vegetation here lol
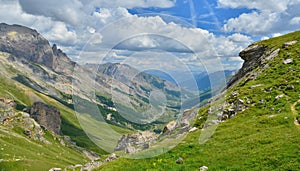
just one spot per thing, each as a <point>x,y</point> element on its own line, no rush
<point>262,137</point>
<point>20,153</point>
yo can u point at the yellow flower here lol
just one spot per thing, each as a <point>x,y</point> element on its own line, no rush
<point>154,164</point>
<point>159,160</point>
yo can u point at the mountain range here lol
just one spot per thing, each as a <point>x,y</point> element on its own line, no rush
<point>56,114</point>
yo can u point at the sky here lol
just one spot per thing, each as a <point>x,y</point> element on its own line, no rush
<point>199,34</point>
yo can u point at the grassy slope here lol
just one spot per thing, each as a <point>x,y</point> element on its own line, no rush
<point>34,155</point>
<point>263,137</point>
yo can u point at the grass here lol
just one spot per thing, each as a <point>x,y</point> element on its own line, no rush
<point>262,137</point>
<point>20,153</point>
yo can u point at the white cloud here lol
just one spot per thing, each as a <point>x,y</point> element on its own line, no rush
<point>295,21</point>
<point>268,17</point>
<point>253,23</point>
<point>106,28</point>
<point>68,11</point>
<point>276,34</point>
<point>129,3</point>
<point>274,5</point>
<point>239,38</point>
<point>60,33</point>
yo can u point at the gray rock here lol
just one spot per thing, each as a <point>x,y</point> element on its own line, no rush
<point>179,160</point>
<point>290,87</point>
<point>27,132</point>
<point>55,169</point>
<point>169,127</point>
<point>252,52</point>
<point>203,168</point>
<point>273,54</point>
<point>111,157</point>
<point>288,61</point>
<point>130,150</point>
<point>47,116</point>
<point>136,140</point>
<point>145,146</point>
<point>193,129</point>
<point>279,96</point>
<point>184,123</point>
<point>286,44</point>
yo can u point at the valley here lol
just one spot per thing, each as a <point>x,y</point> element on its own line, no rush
<point>56,113</point>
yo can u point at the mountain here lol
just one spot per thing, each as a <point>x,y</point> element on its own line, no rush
<point>200,81</point>
<point>56,113</point>
<point>34,74</point>
<point>253,124</point>
<point>48,70</point>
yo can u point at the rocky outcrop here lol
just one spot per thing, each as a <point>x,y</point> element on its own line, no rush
<point>132,143</point>
<point>251,57</point>
<point>62,63</point>
<point>47,116</point>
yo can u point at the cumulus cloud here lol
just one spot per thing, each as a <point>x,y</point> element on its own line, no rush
<point>66,11</point>
<point>81,28</point>
<point>274,5</point>
<point>60,33</point>
<point>129,4</point>
<point>269,16</point>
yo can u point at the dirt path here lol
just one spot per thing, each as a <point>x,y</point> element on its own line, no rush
<point>294,112</point>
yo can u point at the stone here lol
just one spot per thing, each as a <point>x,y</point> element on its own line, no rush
<point>136,140</point>
<point>130,150</point>
<point>47,116</point>
<point>179,160</point>
<point>272,55</point>
<point>111,157</point>
<point>203,168</point>
<point>27,132</point>
<point>290,87</point>
<point>288,61</point>
<point>55,169</point>
<point>145,146</point>
<point>279,96</point>
<point>286,44</point>
<point>169,127</point>
<point>184,123</point>
<point>252,52</point>
<point>193,129</point>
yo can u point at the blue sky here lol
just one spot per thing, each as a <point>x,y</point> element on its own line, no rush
<point>199,13</point>
<point>201,34</point>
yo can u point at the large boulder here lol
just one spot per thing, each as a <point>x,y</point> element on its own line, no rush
<point>47,116</point>
<point>169,127</point>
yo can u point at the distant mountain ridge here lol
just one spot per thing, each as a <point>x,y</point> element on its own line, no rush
<point>49,70</point>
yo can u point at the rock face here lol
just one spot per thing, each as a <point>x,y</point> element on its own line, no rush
<point>47,116</point>
<point>27,43</point>
<point>251,56</point>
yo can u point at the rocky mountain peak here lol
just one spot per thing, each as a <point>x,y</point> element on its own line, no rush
<point>27,43</point>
